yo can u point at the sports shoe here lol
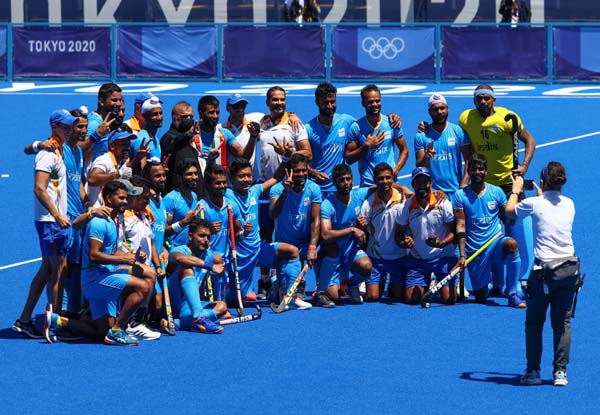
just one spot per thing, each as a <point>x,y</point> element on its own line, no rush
<point>142,332</point>
<point>263,289</point>
<point>297,303</point>
<point>204,325</point>
<point>251,296</point>
<point>354,294</point>
<point>119,337</point>
<point>27,329</point>
<point>515,300</point>
<point>495,291</point>
<point>322,300</point>
<point>531,377</point>
<point>51,325</point>
<point>560,378</point>
<point>301,291</point>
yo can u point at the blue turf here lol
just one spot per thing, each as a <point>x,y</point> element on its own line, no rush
<point>378,357</point>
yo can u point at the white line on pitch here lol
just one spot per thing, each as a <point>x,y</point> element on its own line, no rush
<point>4,175</point>
<point>16,264</point>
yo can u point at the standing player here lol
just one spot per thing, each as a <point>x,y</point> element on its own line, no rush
<point>477,209</point>
<point>51,221</point>
<point>377,218</point>
<point>107,117</point>
<point>251,250</point>
<point>328,134</point>
<point>376,141</point>
<point>152,113</point>
<point>214,209</point>
<point>491,134</point>
<point>342,241</point>
<point>426,227</point>
<point>193,261</point>
<point>295,207</point>
<point>441,148</point>
<point>181,203</point>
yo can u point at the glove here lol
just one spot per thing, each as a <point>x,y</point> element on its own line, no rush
<point>125,172</point>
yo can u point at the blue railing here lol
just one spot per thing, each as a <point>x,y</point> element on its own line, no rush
<point>426,52</point>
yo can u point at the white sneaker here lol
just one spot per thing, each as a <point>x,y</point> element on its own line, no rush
<point>298,303</point>
<point>362,289</point>
<point>142,332</point>
<point>560,378</point>
<point>354,293</point>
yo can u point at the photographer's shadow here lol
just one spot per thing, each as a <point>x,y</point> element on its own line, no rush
<point>495,377</point>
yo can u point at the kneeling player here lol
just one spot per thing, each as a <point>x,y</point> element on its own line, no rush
<point>193,262</point>
<point>342,241</point>
<point>108,276</point>
<point>426,227</point>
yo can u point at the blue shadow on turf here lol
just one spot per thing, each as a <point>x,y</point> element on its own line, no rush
<point>497,378</point>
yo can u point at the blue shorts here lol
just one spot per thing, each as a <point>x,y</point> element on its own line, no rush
<point>264,256</point>
<point>102,287</point>
<point>54,240</point>
<point>418,271</point>
<point>480,269</point>
<point>393,267</point>
<point>332,271</point>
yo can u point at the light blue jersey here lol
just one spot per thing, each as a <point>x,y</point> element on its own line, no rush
<point>383,153</point>
<point>178,206</point>
<point>329,145</point>
<point>293,223</point>
<point>152,143</point>
<point>446,165</point>
<point>160,222</point>
<point>482,214</point>
<point>100,143</point>
<point>219,242</point>
<point>344,216</point>
<point>74,164</point>
<point>248,207</point>
<point>105,231</point>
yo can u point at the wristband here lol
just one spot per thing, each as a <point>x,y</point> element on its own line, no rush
<point>241,235</point>
<point>35,146</point>
<point>461,235</point>
<point>512,192</point>
<point>176,227</point>
<point>209,261</point>
<point>312,247</point>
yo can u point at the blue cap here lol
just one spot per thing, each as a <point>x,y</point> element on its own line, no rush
<point>144,96</point>
<point>62,117</point>
<point>119,135</point>
<point>235,98</point>
<point>420,171</point>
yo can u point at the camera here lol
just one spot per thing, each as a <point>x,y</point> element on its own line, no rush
<point>528,184</point>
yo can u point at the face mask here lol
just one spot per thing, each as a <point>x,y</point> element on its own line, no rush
<point>421,193</point>
<point>185,125</point>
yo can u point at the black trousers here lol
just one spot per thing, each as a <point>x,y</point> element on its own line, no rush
<point>560,301</point>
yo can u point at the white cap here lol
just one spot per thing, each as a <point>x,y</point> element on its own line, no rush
<point>435,98</point>
<point>150,103</point>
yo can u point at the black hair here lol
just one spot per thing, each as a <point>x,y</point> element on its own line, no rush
<point>237,165</point>
<point>108,89</point>
<point>341,170</point>
<point>207,100</point>
<point>554,175</point>
<point>112,187</point>
<point>183,165</point>
<point>296,159</point>
<point>213,170</point>
<point>381,167</point>
<point>368,88</point>
<point>478,158</point>
<point>324,90</point>
<point>273,89</point>
<point>198,223</point>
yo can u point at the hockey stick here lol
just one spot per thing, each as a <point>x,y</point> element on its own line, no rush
<point>208,277</point>
<point>288,295</point>
<point>438,286</point>
<point>515,137</point>
<point>236,275</point>
<point>461,286</point>
<point>170,326</point>
<point>243,319</point>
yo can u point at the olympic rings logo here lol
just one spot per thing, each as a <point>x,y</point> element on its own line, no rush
<point>383,47</point>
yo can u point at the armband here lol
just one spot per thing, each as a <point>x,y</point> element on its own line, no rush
<point>176,228</point>
<point>461,235</point>
<point>35,146</point>
<point>209,261</point>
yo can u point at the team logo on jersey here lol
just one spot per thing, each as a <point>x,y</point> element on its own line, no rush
<point>491,205</point>
<point>495,128</point>
<point>342,132</point>
<point>252,201</point>
<point>306,201</point>
<point>451,141</point>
